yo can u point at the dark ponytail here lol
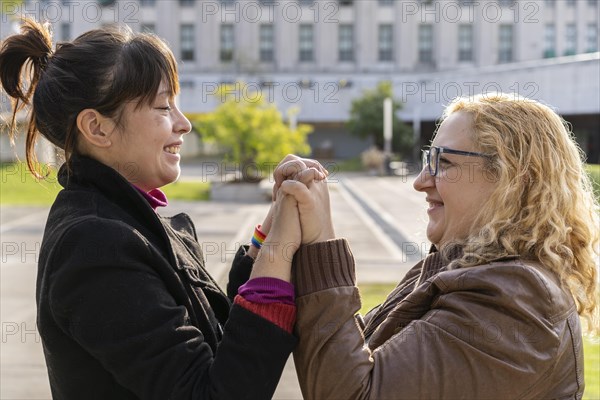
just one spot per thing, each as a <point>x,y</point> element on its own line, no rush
<point>30,50</point>
<point>102,70</point>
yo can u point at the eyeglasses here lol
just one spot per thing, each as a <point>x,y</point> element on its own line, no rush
<point>431,157</point>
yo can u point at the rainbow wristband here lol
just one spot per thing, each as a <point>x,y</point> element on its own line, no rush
<point>258,238</point>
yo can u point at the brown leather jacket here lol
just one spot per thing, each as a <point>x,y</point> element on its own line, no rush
<point>504,330</point>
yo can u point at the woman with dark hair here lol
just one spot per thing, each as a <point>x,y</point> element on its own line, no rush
<point>126,308</point>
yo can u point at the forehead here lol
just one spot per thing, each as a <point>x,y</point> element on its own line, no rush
<point>455,132</point>
<point>163,90</point>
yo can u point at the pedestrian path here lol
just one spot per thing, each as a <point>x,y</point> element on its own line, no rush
<point>383,218</point>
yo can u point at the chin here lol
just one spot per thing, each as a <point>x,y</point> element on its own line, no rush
<point>170,177</point>
<point>433,237</point>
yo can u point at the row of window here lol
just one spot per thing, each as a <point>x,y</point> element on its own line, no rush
<point>187,3</point>
<point>502,3</point>
<point>347,45</point>
<point>570,3</point>
<point>570,47</point>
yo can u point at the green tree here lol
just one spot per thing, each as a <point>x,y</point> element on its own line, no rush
<point>366,118</point>
<point>12,7</point>
<point>251,130</point>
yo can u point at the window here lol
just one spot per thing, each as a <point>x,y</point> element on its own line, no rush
<point>505,47</point>
<point>386,3</point>
<point>346,2</point>
<point>227,42</point>
<point>147,28</point>
<point>346,42</point>
<point>465,43</point>
<point>306,3</point>
<point>306,43</point>
<point>65,31</point>
<point>187,42</point>
<point>549,41</point>
<point>426,44</point>
<point>592,3</point>
<point>570,40</point>
<point>550,3</point>
<point>187,3</point>
<point>570,3</point>
<point>147,3</point>
<point>592,37</point>
<point>386,42</point>
<point>506,3</point>
<point>267,53</point>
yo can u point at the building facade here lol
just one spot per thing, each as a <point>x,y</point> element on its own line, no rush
<point>319,55</point>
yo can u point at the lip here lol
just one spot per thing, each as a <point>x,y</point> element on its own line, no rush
<point>177,143</point>
<point>434,204</point>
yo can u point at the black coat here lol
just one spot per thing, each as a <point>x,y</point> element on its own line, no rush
<point>126,309</point>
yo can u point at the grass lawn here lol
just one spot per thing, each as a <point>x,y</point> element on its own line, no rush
<point>591,352</point>
<point>19,187</point>
<point>187,190</point>
<point>374,294</point>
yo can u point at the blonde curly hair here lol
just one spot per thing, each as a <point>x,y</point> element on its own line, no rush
<point>543,207</point>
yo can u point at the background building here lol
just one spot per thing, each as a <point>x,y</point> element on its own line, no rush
<point>319,55</point>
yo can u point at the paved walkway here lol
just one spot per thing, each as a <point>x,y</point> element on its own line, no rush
<point>382,217</point>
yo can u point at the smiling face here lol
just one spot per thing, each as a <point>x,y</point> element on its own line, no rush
<point>460,188</point>
<point>146,150</point>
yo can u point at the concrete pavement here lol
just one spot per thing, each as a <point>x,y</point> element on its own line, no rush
<point>382,217</point>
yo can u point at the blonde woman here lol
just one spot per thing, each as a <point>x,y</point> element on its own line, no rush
<point>493,311</point>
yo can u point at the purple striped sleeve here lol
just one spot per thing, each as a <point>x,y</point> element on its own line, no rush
<point>267,290</point>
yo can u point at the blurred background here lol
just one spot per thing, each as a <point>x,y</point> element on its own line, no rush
<point>325,66</point>
<point>324,78</point>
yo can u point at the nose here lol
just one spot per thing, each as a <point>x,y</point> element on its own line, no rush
<point>182,125</point>
<point>424,180</point>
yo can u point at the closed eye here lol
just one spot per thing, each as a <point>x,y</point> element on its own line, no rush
<point>445,161</point>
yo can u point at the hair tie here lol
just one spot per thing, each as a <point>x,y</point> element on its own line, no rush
<point>43,61</point>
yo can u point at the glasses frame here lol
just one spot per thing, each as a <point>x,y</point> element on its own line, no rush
<point>426,156</point>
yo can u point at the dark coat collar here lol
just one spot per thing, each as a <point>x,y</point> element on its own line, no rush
<point>90,173</point>
<point>85,173</point>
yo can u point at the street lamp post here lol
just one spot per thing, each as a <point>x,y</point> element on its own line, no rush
<point>387,133</point>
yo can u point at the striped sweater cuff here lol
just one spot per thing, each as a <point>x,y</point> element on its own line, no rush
<point>323,265</point>
<point>282,315</point>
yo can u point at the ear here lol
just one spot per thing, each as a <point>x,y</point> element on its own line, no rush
<point>95,128</point>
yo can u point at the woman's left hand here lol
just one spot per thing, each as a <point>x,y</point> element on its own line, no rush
<point>292,166</point>
<point>265,228</point>
<point>275,256</point>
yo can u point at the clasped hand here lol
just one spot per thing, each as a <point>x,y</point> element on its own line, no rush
<point>300,212</point>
